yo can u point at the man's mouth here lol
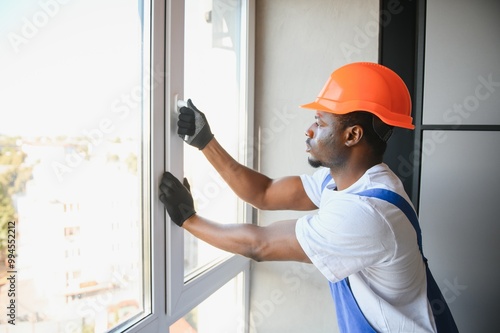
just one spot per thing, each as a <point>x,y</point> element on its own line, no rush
<point>308,145</point>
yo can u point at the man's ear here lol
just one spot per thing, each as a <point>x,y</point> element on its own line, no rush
<point>353,135</point>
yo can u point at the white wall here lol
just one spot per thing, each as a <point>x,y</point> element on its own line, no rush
<point>459,181</point>
<point>298,44</point>
<point>462,63</point>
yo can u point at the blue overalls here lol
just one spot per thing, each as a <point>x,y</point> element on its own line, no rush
<point>349,316</point>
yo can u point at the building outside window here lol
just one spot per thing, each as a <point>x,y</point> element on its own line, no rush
<point>86,131</point>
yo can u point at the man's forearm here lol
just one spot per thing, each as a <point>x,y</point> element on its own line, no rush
<point>234,238</point>
<point>248,184</point>
<point>255,188</point>
<point>274,242</point>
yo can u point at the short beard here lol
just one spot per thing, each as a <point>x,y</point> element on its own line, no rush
<point>314,163</point>
<point>339,164</point>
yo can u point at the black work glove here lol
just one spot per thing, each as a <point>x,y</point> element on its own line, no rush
<point>177,198</point>
<point>193,126</point>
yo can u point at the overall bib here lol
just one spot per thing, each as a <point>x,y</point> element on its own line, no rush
<point>349,315</point>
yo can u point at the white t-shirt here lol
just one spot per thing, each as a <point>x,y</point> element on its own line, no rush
<point>373,243</point>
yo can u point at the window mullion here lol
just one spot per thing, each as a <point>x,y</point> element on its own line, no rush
<point>174,150</point>
<point>182,297</point>
<point>157,321</point>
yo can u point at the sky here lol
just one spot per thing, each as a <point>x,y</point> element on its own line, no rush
<point>66,64</point>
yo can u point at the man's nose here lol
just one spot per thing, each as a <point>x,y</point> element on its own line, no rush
<point>310,132</point>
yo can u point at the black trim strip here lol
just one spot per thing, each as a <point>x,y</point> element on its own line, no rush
<point>398,51</point>
<point>421,9</point>
<point>460,127</point>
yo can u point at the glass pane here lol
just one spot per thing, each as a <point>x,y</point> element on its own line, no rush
<point>212,81</point>
<point>71,165</point>
<point>221,312</point>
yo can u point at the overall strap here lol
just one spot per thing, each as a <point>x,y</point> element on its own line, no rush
<point>400,202</point>
<point>442,315</point>
<point>326,181</point>
<point>394,198</point>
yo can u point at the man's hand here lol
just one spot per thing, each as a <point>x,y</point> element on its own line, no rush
<point>177,198</point>
<point>193,126</point>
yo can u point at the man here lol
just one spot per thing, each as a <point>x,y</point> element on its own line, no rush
<point>366,247</point>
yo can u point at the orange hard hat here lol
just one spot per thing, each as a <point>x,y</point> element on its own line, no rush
<point>366,86</point>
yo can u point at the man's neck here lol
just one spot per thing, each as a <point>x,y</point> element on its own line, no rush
<point>348,174</point>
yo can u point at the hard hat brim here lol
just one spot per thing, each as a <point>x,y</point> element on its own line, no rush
<point>352,106</point>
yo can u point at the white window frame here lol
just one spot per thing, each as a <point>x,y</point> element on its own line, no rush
<point>171,296</point>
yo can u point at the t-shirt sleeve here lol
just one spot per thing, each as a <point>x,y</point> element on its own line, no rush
<point>344,238</point>
<point>312,184</point>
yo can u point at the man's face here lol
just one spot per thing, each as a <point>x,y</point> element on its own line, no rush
<point>324,143</point>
